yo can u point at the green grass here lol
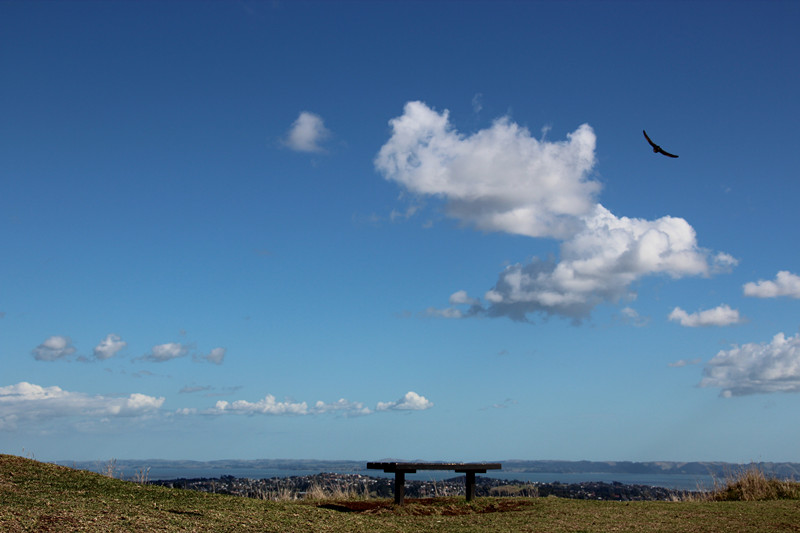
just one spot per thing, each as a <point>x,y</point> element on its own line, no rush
<point>37,496</point>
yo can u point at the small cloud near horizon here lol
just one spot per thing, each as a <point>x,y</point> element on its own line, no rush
<point>26,402</point>
<point>269,405</point>
<point>721,315</point>
<point>411,401</point>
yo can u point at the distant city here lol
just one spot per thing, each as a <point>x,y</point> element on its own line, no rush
<point>372,487</point>
<point>672,474</point>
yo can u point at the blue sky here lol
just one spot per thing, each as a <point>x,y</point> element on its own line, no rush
<point>416,230</point>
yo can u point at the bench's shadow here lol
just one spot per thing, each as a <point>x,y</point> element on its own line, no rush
<point>336,507</point>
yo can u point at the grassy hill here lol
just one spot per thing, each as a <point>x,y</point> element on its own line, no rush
<point>37,496</point>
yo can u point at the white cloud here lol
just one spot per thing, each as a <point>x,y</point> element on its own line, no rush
<point>54,348</point>
<point>166,352</point>
<point>109,346</point>
<point>598,264</point>
<point>498,179</point>
<point>271,406</point>
<point>721,315</point>
<point>723,263</point>
<point>411,401</point>
<point>502,179</point>
<point>756,368</point>
<point>25,402</point>
<point>268,406</point>
<point>785,284</point>
<point>461,297</point>
<point>458,298</point>
<point>306,133</point>
<point>216,356</point>
<point>343,406</point>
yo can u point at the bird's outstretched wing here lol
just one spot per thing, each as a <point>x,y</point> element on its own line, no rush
<point>654,145</point>
<point>656,148</point>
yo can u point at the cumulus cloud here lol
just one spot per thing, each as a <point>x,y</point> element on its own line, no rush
<point>502,179</point>
<point>269,405</point>
<point>167,352</point>
<point>109,346</point>
<point>722,315</point>
<point>306,133</point>
<point>458,298</point>
<point>498,179</point>
<point>411,401</point>
<point>723,263</point>
<point>25,402</point>
<point>216,356</point>
<point>342,406</point>
<point>53,349</point>
<point>598,264</point>
<point>461,297</point>
<point>756,368</point>
<point>785,284</point>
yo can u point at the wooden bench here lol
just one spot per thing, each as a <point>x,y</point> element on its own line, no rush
<point>401,469</point>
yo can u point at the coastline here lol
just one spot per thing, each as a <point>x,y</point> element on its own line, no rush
<point>671,475</point>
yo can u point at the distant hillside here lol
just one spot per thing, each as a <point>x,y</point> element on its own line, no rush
<point>167,469</point>
<point>236,467</point>
<point>720,469</point>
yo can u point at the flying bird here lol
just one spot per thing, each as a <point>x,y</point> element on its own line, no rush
<point>656,148</point>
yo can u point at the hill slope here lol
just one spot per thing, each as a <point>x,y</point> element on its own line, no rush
<point>36,496</point>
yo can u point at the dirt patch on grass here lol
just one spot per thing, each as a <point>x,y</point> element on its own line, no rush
<point>56,523</point>
<point>426,506</point>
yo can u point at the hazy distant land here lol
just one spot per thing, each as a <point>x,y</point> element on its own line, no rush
<point>188,469</point>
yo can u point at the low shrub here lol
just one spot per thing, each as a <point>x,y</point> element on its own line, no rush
<point>753,485</point>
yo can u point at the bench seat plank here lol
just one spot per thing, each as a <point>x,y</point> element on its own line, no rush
<point>458,467</point>
<point>400,470</point>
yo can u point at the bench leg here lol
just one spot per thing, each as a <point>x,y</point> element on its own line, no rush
<point>470,486</point>
<point>399,487</point>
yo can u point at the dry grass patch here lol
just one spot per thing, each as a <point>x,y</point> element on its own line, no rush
<point>753,485</point>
